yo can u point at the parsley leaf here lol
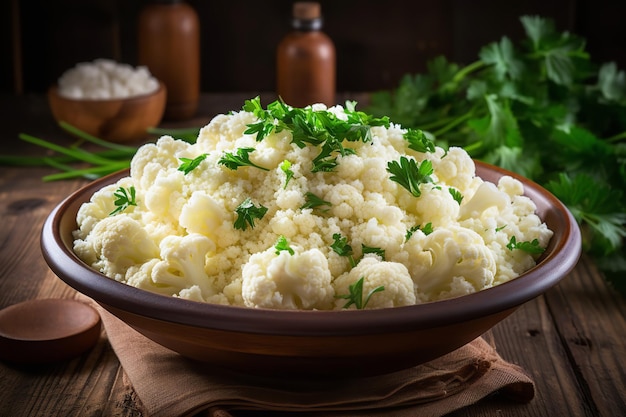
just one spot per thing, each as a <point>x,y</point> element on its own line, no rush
<point>418,141</point>
<point>355,296</point>
<point>247,212</point>
<point>285,166</point>
<point>341,247</point>
<point>409,175</point>
<point>283,245</point>
<point>456,194</point>
<point>313,201</point>
<point>124,199</point>
<point>242,158</point>
<point>189,164</point>
<point>369,249</point>
<point>427,229</point>
<point>531,247</point>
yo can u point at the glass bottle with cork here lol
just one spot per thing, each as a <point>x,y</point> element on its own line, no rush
<point>306,60</point>
<point>169,45</point>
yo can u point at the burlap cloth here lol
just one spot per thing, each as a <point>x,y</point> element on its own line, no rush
<point>169,385</point>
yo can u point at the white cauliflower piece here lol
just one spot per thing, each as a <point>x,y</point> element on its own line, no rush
<point>288,282</point>
<point>115,244</point>
<point>182,264</point>
<point>450,262</point>
<point>486,201</point>
<point>394,277</point>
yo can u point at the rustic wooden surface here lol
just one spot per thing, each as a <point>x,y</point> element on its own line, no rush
<point>572,339</point>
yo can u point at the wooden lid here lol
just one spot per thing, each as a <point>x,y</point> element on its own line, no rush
<point>307,10</point>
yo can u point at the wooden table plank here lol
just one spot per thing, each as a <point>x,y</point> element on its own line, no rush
<point>591,321</point>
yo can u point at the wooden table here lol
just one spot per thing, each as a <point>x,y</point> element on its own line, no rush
<point>572,339</point>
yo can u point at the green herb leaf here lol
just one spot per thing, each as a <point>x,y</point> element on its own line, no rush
<point>409,175</point>
<point>124,199</point>
<point>189,164</point>
<point>418,141</point>
<point>241,159</point>
<point>313,201</point>
<point>369,249</point>
<point>427,229</point>
<point>285,166</point>
<point>531,247</point>
<point>247,212</point>
<point>355,296</point>
<point>283,245</point>
<point>456,194</point>
<point>341,247</point>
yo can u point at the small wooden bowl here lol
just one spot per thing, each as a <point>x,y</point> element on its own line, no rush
<point>115,120</point>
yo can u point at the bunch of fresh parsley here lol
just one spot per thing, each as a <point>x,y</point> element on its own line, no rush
<point>540,108</point>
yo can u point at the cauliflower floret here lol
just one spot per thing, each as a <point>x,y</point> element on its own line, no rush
<point>152,160</point>
<point>204,215</point>
<point>450,262</point>
<point>285,281</point>
<point>484,202</point>
<point>182,265</point>
<point>455,169</point>
<point>394,277</point>
<point>166,198</point>
<point>115,244</point>
<point>437,206</point>
<point>223,130</point>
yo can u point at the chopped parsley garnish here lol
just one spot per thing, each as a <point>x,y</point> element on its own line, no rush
<point>368,249</point>
<point>314,127</point>
<point>247,212</point>
<point>342,248</point>
<point>124,199</point>
<point>355,296</point>
<point>531,247</point>
<point>283,245</point>
<point>418,141</point>
<point>456,194</point>
<point>285,166</point>
<point>189,164</point>
<point>410,175</point>
<point>313,201</point>
<point>241,159</point>
<point>427,229</point>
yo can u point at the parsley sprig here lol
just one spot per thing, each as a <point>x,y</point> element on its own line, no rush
<point>247,213</point>
<point>239,159</point>
<point>282,244</point>
<point>312,201</point>
<point>285,166</point>
<point>531,247</point>
<point>188,164</point>
<point>355,295</point>
<point>320,128</point>
<point>539,107</point>
<point>123,199</point>
<point>341,247</point>
<point>409,174</point>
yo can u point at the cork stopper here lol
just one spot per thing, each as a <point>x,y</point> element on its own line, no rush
<point>306,10</point>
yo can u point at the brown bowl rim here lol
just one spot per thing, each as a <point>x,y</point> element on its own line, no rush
<point>559,259</point>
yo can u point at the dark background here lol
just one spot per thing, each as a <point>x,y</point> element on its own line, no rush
<point>377,41</point>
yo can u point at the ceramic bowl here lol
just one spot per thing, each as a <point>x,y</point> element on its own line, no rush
<point>314,343</point>
<point>114,120</point>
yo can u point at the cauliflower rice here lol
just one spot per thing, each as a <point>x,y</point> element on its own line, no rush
<point>180,240</point>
